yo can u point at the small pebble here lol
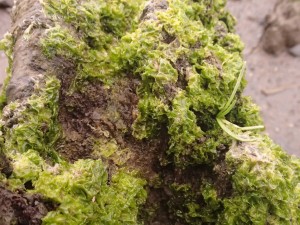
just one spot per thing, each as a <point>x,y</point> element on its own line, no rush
<point>96,116</point>
<point>6,3</point>
<point>295,51</point>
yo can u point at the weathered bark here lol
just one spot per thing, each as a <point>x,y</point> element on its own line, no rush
<point>29,63</point>
<point>116,115</point>
<point>28,67</point>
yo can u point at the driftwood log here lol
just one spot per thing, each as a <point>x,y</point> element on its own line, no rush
<point>131,112</point>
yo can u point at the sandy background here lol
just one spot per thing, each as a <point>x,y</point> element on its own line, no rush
<point>273,79</point>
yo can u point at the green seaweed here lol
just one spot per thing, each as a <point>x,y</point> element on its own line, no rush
<point>266,185</point>
<point>84,191</point>
<point>85,197</point>
<point>32,124</point>
<point>95,27</point>
<point>190,210</point>
<point>189,64</point>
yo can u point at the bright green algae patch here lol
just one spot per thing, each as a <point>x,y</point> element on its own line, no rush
<point>188,61</point>
<point>186,76</point>
<point>30,131</point>
<point>266,185</point>
<point>187,64</point>
<point>32,124</point>
<point>265,189</point>
<point>94,28</point>
<point>81,190</point>
<point>84,191</point>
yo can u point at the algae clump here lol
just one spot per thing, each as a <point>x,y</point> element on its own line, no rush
<point>80,190</point>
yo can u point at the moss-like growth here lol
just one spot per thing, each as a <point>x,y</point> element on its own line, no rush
<point>32,124</point>
<point>84,192</point>
<point>81,190</point>
<point>96,26</point>
<point>266,185</point>
<point>182,65</point>
<point>265,189</point>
